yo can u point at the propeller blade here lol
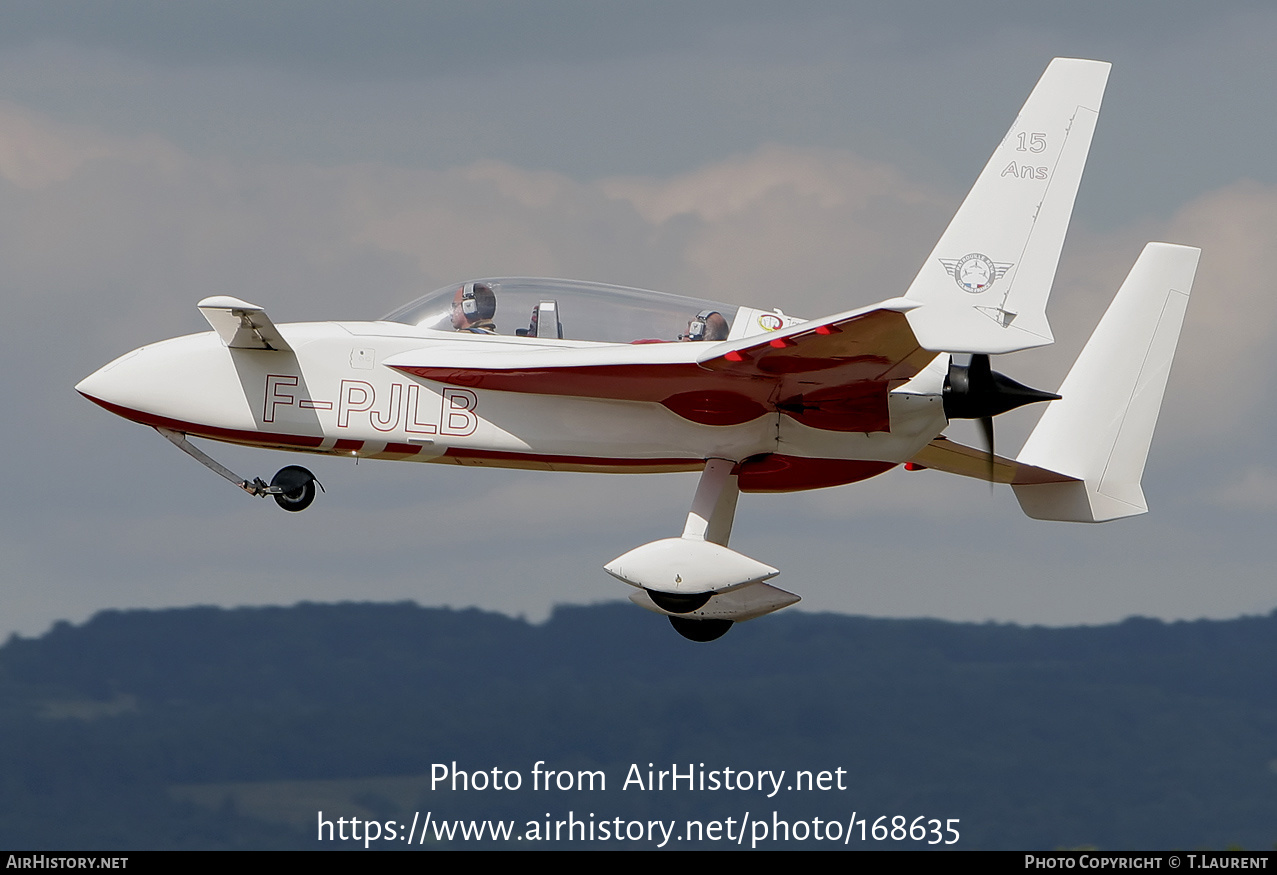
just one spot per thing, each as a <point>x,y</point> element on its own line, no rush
<point>986,425</point>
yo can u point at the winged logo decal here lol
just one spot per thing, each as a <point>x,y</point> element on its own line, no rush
<point>975,272</point>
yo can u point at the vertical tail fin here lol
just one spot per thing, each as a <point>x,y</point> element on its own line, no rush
<point>986,284</point>
<point>1100,431</point>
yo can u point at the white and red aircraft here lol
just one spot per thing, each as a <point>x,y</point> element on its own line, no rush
<point>757,401</point>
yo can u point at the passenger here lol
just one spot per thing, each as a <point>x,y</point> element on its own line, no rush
<point>708,325</point>
<point>534,330</point>
<point>473,307</point>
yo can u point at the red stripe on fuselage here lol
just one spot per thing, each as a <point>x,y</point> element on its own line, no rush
<point>230,435</point>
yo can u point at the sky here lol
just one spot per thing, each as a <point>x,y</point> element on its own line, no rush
<point>335,160</point>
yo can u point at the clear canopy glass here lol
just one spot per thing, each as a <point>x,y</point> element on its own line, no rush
<point>571,310</point>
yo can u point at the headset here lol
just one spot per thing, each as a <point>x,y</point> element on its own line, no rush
<point>470,304</point>
<point>696,328</point>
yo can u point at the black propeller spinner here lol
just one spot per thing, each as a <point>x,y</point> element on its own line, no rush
<point>976,391</point>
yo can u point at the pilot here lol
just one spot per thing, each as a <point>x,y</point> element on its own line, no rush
<point>708,325</point>
<point>473,307</point>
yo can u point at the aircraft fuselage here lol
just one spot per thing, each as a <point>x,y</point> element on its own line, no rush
<point>332,394</point>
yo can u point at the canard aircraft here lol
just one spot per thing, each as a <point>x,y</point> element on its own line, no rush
<point>754,399</point>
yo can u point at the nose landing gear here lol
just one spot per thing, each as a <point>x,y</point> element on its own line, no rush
<point>292,487</point>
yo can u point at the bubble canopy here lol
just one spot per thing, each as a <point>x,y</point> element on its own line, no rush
<point>553,309</point>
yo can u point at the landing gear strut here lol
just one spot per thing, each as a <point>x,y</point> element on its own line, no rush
<point>292,487</point>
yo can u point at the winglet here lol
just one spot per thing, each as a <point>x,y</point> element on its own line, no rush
<point>1100,430</point>
<point>242,325</point>
<point>986,284</point>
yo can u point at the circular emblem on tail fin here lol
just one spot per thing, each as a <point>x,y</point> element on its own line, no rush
<point>974,272</point>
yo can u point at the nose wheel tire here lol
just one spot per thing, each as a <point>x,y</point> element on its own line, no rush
<point>296,488</point>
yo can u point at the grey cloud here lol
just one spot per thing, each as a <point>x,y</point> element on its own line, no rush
<point>396,38</point>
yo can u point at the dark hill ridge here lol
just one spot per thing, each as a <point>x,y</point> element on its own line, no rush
<point>1139,734</point>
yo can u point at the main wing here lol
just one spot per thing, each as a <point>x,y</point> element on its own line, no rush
<point>832,373</point>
